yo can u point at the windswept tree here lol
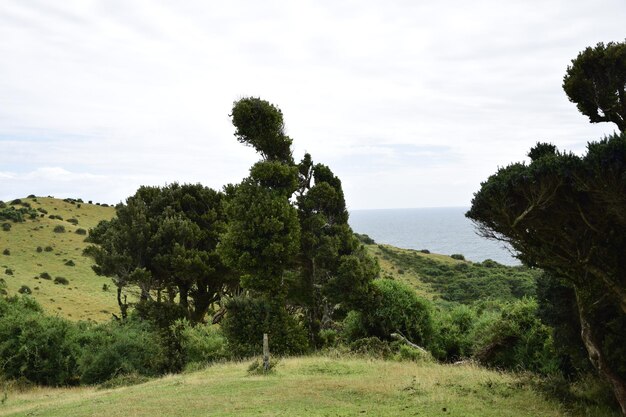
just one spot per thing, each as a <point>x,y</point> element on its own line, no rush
<point>163,242</point>
<point>566,215</point>
<point>596,83</point>
<point>288,229</point>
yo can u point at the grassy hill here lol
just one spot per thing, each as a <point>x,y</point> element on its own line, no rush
<point>309,386</point>
<point>37,251</point>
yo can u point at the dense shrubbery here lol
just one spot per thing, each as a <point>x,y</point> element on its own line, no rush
<point>466,282</point>
<point>249,318</point>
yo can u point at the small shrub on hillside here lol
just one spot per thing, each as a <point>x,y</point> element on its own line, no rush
<point>6,227</point>
<point>457,256</point>
<point>16,202</point>
<point>371,346</point>
<point>61,281</point>
<point>42,210</point>
<point>426,251</point>
<point>25,289</point>
<point>31,196</point>
<point>365,239</point>
<point>73,221</point>
<point>48,249</point>
<point>39,249</point>
<point>59,229</point>
<point>45,275</point>
<point>257,368</point>
<point>408,353</point>
<point>81,231</point>
<point>70,263</point>
<point>124,380</point>
<point>7,252</point>
<point>8,271</point>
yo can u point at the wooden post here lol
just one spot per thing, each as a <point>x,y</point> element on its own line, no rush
<point>266,353</point>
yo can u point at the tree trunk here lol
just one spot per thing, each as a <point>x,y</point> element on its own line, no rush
<point>594,349</point>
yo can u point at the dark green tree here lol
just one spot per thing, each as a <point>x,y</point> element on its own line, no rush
<point>163,241</point>
<point>596,83</point>
<point>566,215</point>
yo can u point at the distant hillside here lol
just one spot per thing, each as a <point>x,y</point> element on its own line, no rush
<point>34,255</point>
<point>37,255</point>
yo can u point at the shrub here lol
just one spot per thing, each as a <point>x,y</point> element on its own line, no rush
<point>48,249</point>
<point>31,196</point>
<point>397,308</point>
<point>120,348</point>
<point>6,227</point>
<point>408,353</point>
<point>203,342</point>
<point>8,271</point>
<point>25,289</point>
<point>70,263</point>
<point>42,210</point>
<point>81,231</point>
<point>61,280</point>
<point>426,251</point>
<point>36,347</point>
<point>248,318</point>
<point>73,221</point>
<point>16,202</point>
<point>457,256</point>
<point>45,275</point>
<point>59,229</point>
<point>39,249</point>
<point>371,346</point>
<point>453,333</point>
<point>7,252</point>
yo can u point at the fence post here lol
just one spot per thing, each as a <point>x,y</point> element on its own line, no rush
<point>266,353</point>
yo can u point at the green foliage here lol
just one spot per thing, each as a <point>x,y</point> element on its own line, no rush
<point>457,256</point>
<point>120,348</point>
<point>73,221</point>
<point>25,289</point>
<point>59,229</point>
<point>61,281</point>
<point>248,318</point>
<point>8,271</point>
<point>6,227</point>
<point>515,339</point>
<point>453,338</point>
<point>45,275</point>
<point>203,343</point>
<point>6,252</point>
<point>371,346</point>
<point>363,238</point>
<point>80,231</point>
<point>17,214</point>
<point>70,263</point>
<point>34,346</point>
<point>397,309</point>
<point>48,249</point>
<point>260,124</point>
<point>468,282</point>
<point>595,83</point>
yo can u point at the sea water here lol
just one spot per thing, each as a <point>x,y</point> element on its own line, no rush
<point>440,230</point>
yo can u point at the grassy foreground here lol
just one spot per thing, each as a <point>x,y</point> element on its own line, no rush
<point>307,386</point>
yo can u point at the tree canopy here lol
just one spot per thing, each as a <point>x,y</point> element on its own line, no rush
<point>596,82</point>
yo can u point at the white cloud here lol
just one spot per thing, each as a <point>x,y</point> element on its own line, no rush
<point>139,92</point>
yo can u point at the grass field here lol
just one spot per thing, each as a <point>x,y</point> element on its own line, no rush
<point>83,297</point>
<point>308,386</point>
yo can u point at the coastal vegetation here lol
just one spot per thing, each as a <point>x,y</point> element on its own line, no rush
<point>180,277</point>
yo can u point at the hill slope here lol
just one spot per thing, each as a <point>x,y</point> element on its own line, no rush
<point>36,250</point>
<point>309,386</point>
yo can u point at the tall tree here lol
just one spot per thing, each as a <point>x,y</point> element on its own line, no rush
<point>596,82</point>
<point>163,241</point>
<point>565,214</point>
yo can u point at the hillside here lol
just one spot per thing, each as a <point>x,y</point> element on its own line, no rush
<point>39,255</point>
<point>308,386</point>
<point>36,249</point>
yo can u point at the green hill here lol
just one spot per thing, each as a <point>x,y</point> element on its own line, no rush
<point>33,256</point>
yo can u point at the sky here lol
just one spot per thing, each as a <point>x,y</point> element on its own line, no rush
<point>411,103</point>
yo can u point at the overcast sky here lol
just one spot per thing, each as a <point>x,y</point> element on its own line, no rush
<point>411,103</point>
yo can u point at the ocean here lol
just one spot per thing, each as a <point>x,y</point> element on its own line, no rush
<point>440,230</point>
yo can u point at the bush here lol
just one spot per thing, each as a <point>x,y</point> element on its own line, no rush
<point>48,249</point>
<point>371,346</point>
<point>39,249</point>
<point>81,231</point>
<point>515,339</point>
<point>453,334</point>
<point>70,263</point>
<point>202,343</point>
<point>61,280</point>
<point>45,275</point>
<point>397,308</point>
<point>6,252</point>
<point>6,227</point>
<point>16,202</point>
<point>248,318</point>
<point>59,229</point>
<point>36,347</point>
<point>8,271</point>
<point>408,353</point>
<point>73,221</point>
<point>120,348</point>
<point>426,251</point>
<point>457,256</point>
<point>25,289</point>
